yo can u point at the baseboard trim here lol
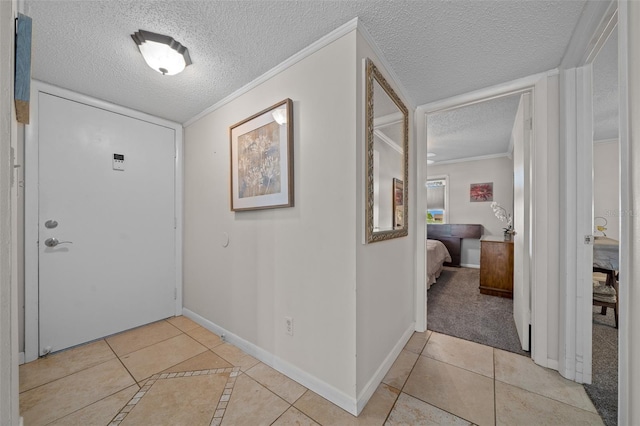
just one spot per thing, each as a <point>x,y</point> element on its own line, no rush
<point>470,265</point>
<point>372,385</point>
<point>21,358</point>
<point>307,380</point>
<point>553,364</point>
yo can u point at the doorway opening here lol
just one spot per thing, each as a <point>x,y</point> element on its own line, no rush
<point>605,220</point>
<point>477,191</point>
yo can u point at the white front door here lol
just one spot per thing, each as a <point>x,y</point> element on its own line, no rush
<point>114,266</point>
<point>522,220</point>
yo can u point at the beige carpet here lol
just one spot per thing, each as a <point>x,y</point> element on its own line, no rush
<point>456,307</point>
<point>604,389</point>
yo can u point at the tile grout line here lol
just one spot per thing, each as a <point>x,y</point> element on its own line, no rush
<point>461,368</point>
<point>137,328</point>
<point>290,404</point>
<point>386,419</point>
<point>549,398</point>
<point>229,361</point>
<point>123,365</point>
<point>408,375</point>
<point>457,366</point>
<point>72,372</point>
<point>411,372</point>
<point>161,341</point>
<point>220,407</point>
<point>537,393</point>
<point>202,343</point>
<point>264,385</point>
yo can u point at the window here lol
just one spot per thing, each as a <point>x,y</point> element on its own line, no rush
<point>437,200</point>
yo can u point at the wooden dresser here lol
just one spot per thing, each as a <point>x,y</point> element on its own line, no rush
<point>451,236</point>
<point>496,266</point>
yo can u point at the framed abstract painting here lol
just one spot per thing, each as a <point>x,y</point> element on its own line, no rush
<point>479,192</point>
<point>262,159</point>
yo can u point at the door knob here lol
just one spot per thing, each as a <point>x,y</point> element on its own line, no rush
<point>52,242</point>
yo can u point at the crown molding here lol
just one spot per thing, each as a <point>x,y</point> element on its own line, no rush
<point>464,160</point>
<point>388,120</point>
<point>354,24</point>
<point>386,139</point>
<point>287,63</point>
<point>386,65</point>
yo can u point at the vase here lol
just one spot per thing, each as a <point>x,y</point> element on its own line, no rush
<point>507,236</point>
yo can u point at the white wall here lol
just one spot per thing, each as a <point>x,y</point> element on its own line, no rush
<point>606,186</point>
<point>462,210</point>
<point>300,261</point>
<point>352,303</point>
<point>386,269</point>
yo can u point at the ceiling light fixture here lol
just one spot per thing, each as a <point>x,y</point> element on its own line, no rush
<point>431,154</point>
<point>430,161</point>
<point>161,52</point>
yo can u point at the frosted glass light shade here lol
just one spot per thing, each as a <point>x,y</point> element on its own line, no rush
<point>161,52</point>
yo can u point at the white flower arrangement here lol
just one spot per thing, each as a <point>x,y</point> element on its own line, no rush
<point>502,214</point>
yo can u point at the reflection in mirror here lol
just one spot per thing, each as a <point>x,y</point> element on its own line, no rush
<point>387,159</point>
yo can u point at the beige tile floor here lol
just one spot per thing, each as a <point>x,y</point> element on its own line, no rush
<point>175,372</point>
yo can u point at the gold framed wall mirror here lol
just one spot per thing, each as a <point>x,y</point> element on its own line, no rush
<point>387,141</point>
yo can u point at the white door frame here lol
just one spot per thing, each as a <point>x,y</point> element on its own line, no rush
<point>628,381</point>
<point>576,257</point>
<point>31,202</point>
<point>537,85</point>
<point>628,17</point>
<point>628,80</point>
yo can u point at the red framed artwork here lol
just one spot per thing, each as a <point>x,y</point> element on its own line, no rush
<point>480,192</point>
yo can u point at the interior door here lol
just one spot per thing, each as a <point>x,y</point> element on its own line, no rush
<point>584,216</point>
<point>106,222</point>
<point>521,215</point>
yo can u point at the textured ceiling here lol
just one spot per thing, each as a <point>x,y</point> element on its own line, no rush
<point>485,128</point>
<point>472,131</point>
<point>605,91</point>
<point>437,48</point>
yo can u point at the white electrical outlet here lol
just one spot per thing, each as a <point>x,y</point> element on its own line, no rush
<point>288,325</point>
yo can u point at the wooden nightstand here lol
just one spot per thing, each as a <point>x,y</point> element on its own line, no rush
<point>496,266</point>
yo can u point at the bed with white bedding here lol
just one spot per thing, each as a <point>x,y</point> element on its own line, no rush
<point>437,254</point>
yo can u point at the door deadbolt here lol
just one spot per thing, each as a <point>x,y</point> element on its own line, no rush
<point>50,224</point>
